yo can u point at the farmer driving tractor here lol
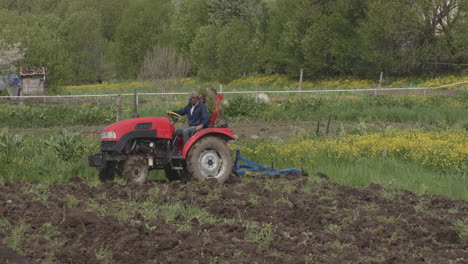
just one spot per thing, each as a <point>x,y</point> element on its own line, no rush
<point>197,114</point>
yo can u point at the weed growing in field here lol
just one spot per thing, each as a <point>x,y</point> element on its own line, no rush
<point>104,255</point>
<point>97,207</point>
<point>17,235</point>
<point>461,227</point>
<point>71,201</point>
<point>261,234</point>
<point>179,212</point>
<point>148,209</point>
<point>67,145</point>
<point>284,200</point>
<point>216,260</point>
<point>153,194</point>
<point>39,192</point>
<point>24,116</point>
<point>253,200</point>
<point>333,229</point>
<point>213,195</point>
<point>49,231</point>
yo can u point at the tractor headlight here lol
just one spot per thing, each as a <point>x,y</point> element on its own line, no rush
<point>108,134</point>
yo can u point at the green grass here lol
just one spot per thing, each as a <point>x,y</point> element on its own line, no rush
<point>27,158</point>
<point>391,170</point>
<point>394,173</point>
<point>37,115</point>
<point>441,111</point>
<point>47,157</point>
<point>430,110</point>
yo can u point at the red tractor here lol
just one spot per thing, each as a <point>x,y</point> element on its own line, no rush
<point>131,148</point>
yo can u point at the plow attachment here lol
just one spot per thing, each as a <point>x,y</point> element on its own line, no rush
<point>243,166</point>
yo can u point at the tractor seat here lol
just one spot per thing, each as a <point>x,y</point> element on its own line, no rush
<point>222,125</point>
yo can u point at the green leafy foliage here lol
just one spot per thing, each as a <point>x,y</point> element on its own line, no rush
<point>87,41</point>
<point>67,145</point>
<point>144,24</point>
<point>45,157</point>
<point>55,115</point>
<point>9,144</point>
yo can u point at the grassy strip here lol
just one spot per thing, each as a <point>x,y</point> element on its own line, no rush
<point>27,116</point>
<point>441,111</point>
<point>423,162</point>
<point>427,111</point>
<point>50,157</point>
<point>430,162</point>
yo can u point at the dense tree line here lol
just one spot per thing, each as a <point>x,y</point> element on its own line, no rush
<point>86,40</point>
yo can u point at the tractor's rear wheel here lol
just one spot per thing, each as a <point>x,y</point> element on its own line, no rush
<point>135,169</point>
<point>210,158</point>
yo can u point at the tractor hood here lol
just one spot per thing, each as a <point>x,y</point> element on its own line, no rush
<point>161,125</point>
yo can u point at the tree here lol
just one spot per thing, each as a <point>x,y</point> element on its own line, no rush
<point>224,53</point>
<point>40,40</point>
<point>145,24</point>
<point>236,51</point>
<point>331,44</point>
<point>82,32</point>
<point>165,67</point>
<point>459,33</point>
<point>203,52</point>
<point>287,24</point>
<point>9,56</point>
<point>190,16</point>
<point>440,21</point>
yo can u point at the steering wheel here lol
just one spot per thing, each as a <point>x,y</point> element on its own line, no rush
<point>175,117</point>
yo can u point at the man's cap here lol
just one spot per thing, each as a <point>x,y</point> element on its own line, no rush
<point>193,95</point>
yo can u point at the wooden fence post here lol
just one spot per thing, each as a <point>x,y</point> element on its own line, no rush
<point>380,83</point>
<point>300,82</point>
<point>135,104</point>
<point>328,124</point>
<point>380,80</point>
<point>119,108</point>
<point>318,128</point>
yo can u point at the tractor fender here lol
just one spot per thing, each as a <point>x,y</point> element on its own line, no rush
<point>224,133</point>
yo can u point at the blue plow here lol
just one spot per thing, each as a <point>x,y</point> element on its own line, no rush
<point>243,166</point>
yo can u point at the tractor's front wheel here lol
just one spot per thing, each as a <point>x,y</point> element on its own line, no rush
<point>135,169</point>
<point>210,158</point>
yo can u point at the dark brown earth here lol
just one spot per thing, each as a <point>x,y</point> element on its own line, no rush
<point>289,219</point>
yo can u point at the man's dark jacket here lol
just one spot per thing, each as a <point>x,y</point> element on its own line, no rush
<point>199,116</point>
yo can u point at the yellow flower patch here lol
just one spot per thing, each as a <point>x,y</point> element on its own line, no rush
<point>444,150</point>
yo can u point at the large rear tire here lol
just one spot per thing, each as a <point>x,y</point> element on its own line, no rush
<point>135,169</point>
<point>210,158</point>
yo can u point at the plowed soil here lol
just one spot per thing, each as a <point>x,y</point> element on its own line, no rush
<point>289,219</point>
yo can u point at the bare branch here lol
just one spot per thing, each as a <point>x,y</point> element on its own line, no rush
<point>9,55</point>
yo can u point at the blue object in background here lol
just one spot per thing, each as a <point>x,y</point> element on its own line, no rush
<point>14,79</point>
